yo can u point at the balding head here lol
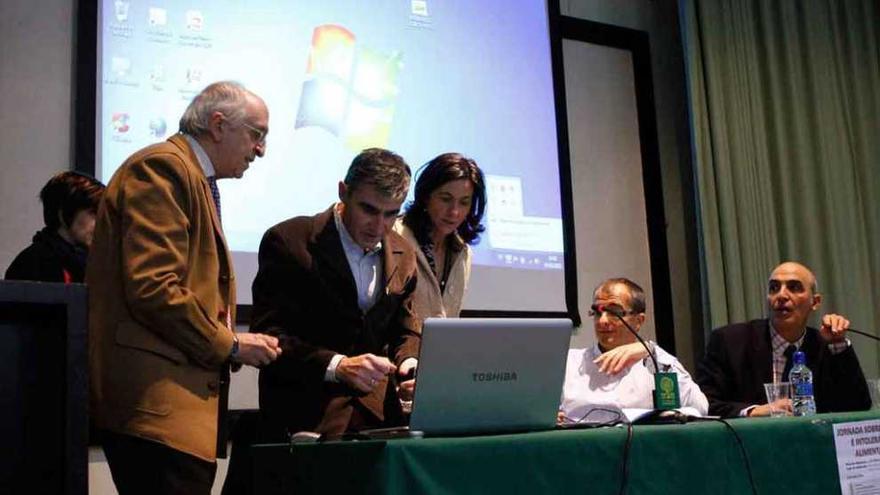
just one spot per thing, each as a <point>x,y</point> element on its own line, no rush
<point>793,267</point>
<point>791,298</point>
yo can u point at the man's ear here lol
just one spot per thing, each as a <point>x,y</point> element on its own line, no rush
<point>343,191</point>
<point>61,221</point>
<point>215,127</point>
<point>817,301</point>
<point>640,320</point>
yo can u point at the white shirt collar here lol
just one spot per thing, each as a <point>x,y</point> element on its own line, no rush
<point>201,156</point>
<point>366,266</point>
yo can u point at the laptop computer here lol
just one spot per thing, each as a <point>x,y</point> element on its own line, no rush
<point>482,375</point>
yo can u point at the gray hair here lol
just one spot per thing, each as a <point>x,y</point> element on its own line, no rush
<point>636,293</point>
<point>382,169</point>
<point>226,97</point>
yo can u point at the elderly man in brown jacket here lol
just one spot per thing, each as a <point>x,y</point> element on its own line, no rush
<point>162,299</point>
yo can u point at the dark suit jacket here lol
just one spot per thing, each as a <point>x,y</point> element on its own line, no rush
<point>738,362</point>
<point>49,259</point>
<point>305,294</point>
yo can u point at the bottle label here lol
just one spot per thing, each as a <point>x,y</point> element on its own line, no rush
<point>802,389</point>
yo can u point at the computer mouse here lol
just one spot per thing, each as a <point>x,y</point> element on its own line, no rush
<point>304,437</point>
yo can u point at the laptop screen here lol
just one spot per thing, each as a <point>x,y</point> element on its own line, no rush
<point>489,374</point>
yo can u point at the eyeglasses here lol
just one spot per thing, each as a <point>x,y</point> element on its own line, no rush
<point>612,309</point>
<point>259,135</point>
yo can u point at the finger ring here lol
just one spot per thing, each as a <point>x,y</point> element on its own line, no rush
<point>373,382</point>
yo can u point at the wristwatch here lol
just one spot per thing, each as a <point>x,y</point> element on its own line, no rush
<point>233,356</point>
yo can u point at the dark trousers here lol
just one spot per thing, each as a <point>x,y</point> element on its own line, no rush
<point>144,467</point>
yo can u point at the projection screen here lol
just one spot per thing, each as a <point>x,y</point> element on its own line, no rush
<point>419,77</point>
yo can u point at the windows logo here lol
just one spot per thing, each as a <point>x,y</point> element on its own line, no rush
<point>349,90</point>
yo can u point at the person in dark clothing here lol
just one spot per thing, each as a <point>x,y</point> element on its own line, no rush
<point>741,357</point>
<point>59,250</point>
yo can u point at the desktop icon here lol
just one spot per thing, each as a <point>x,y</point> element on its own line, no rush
<point>158,17</point>
<point>419,7</point>
<point>119,123</point>
<point>194,20</point>
<point>157,75</point>
<point>120,8</point>
<point>120,67</point>
<point>194,76</point>
<point>158,127</point>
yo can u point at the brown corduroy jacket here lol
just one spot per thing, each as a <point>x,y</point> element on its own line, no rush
<point>161,299</point>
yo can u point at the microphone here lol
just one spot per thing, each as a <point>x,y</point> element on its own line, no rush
<point>866,334</point>
<point>666,394</point>
<point>620,313</point>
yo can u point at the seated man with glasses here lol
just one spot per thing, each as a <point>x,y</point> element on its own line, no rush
<point>617,370</point>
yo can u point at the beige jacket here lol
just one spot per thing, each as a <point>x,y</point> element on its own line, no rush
<point>427,300</point>
<point>161,291</point>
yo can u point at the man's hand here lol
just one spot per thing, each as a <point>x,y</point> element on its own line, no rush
<point>407,381</point>
<point>363,372</point>
<point>764,410</point>
<point>834,328</point>
<point>621,358</point>
<point>257,349</point>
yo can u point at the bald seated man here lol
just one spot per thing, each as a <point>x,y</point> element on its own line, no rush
<point>741,357</point>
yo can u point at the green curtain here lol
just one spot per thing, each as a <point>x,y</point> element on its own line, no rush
<point>785,98</point>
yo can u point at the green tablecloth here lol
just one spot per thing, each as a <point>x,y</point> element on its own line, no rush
<point>787,455</point>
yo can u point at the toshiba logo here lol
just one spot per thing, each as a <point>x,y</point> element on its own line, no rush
<point>495,376</point>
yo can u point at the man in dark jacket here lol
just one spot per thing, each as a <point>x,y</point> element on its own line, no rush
<point>336,289</point>
<point>741,357</point>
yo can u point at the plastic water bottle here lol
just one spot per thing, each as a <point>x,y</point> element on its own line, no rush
<point>802,401</point>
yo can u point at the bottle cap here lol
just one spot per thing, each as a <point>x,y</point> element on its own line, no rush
<point>800,357</point>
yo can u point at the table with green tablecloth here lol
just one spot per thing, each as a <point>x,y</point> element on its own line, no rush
<point>787,455</point>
